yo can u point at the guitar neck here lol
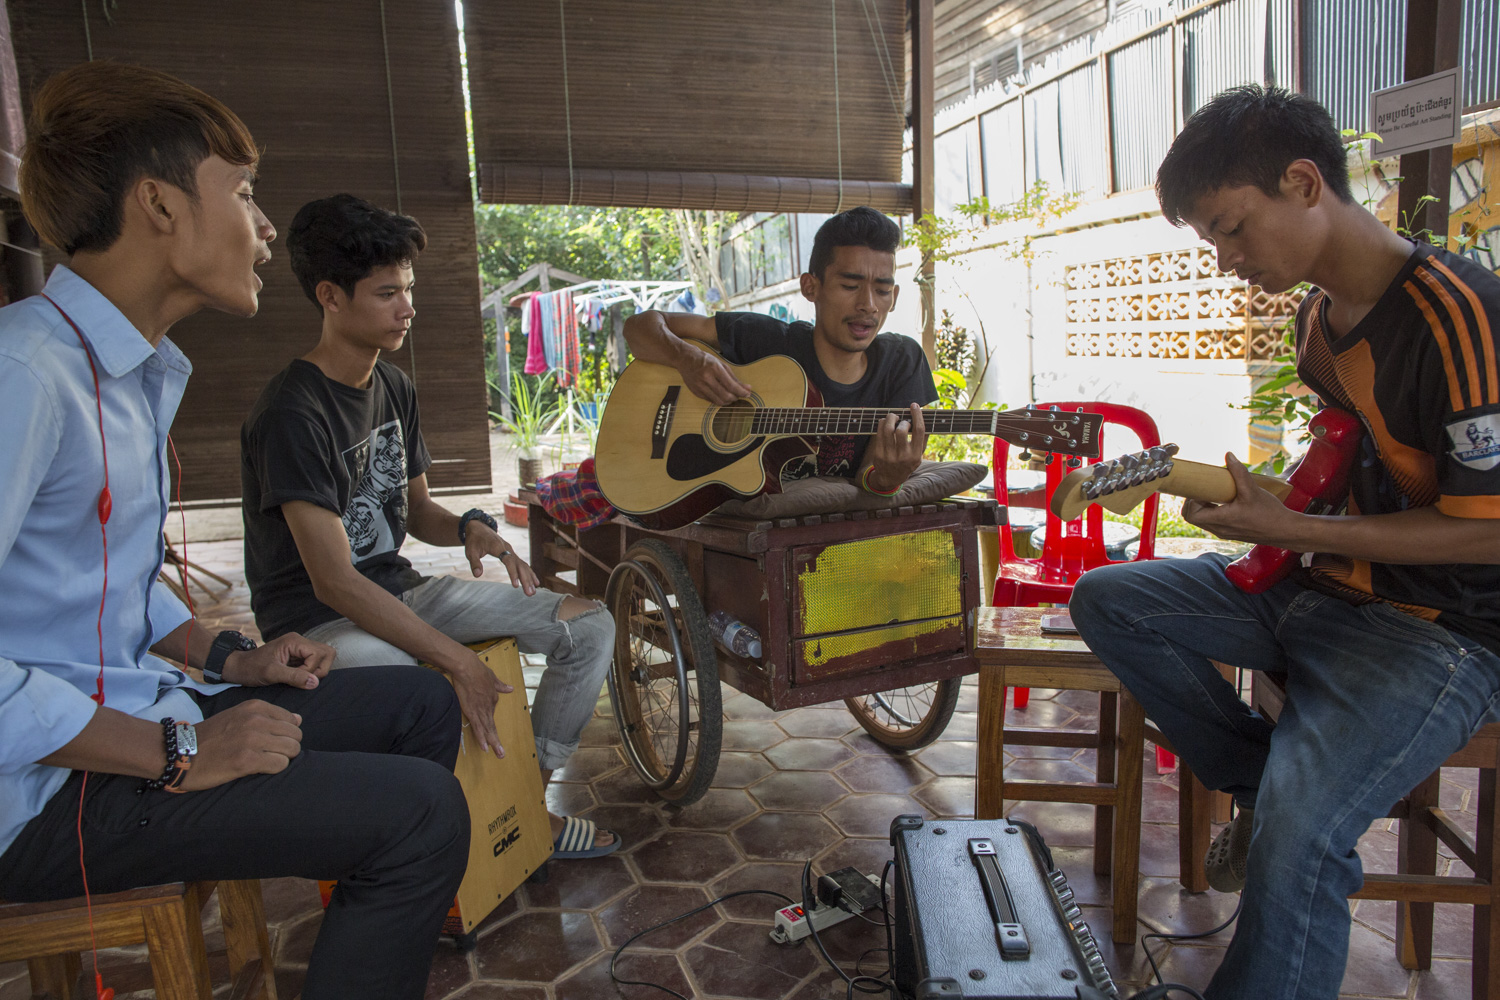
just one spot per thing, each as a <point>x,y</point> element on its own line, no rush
<point>864,420</point>
<point>1213,483</point>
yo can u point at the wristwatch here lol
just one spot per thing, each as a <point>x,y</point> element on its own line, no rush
<point>226,642</point>
<point>474,514</point>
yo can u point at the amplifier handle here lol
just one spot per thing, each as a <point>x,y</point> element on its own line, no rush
<point>1008,930</point>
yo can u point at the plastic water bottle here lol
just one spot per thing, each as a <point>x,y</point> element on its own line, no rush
<point>734,635</point>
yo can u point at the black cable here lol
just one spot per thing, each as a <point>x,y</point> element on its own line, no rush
<point>808,906</point>
<point>1163,988</point>
<point>885,987</point>
<point>683,916</point>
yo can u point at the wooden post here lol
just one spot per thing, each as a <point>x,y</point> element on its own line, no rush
<point>922,200</point>
<point>1432,30</point>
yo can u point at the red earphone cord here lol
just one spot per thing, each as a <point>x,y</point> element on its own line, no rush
<point>105,506</point>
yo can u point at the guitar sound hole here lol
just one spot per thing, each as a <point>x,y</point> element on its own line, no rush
<point>732,423</point>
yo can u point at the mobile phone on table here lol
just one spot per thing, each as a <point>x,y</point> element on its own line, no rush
<point>1060,623</point>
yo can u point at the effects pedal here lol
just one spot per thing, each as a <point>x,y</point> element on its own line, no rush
<point>841,895</point>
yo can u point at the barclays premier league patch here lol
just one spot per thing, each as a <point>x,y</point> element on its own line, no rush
<point>1476,441</point>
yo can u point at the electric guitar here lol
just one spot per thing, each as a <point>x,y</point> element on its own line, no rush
<point>667,457</point>
<point>1319,485</point>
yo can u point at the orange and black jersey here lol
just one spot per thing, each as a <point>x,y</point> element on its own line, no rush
<point>1420,371</point>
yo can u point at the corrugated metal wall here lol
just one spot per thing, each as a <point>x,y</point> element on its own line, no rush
<point>1349,48</point>
<point>1479,52</point>
<point>1140,93</point>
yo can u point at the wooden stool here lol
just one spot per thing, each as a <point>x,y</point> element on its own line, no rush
<point>167,919</point>
<point>1013,652</point>
<point>1416,886</point>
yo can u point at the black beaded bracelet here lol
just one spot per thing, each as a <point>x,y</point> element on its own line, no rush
<point>169,736</point>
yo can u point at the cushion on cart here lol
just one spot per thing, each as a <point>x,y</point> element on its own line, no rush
<point>835,494</point>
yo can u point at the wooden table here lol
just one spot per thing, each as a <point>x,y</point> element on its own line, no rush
<point>1013,652</point>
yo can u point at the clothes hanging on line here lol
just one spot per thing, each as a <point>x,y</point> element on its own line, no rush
<point>531,326</point>
<point>559,329</point>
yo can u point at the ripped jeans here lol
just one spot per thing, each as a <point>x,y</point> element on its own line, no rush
<point>578,649</point>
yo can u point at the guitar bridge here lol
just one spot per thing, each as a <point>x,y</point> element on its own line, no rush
<point>661,424</point>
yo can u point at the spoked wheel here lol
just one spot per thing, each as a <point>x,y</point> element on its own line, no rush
<point>907,718</point>
<point>664,680</point>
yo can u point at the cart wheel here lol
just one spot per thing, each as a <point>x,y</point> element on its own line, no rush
<point>907,718</point>
<point>664,680</point>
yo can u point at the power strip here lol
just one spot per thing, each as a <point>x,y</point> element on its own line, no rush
<point>793,923</point>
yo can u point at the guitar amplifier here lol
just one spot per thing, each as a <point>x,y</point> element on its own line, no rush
<point>982,913</point>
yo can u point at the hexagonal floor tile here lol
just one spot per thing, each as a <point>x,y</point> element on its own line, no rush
<point>685,856</point>
<point>499,991</point>
<point>580,885</point>
<point>755,734</point>
<point>819,722</point>
<point>655,906</point>
<point>567,798</point>
<point>945,757</point>
<point>802,754</point>
<point>798,791</point>
<point>766,875</point>
<point>589,763</point>
<point>888,773</point>
<point>719,809</point>
<point>784,836</point>
<point>742,706</point>
<point>736,770</point>
<point>740,960</point>
<point>592,981</point>
<point>866,814</point>
<point>633,824</point>
<point>538,947</point>
<point>947,797</point>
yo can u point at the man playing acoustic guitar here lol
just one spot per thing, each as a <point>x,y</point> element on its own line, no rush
<point>851,283</point>
<point>1390,638</point>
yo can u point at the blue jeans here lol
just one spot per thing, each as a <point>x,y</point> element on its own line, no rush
<point>578,649</point>
<point>1377,700</point>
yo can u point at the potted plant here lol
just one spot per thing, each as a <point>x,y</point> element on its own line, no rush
<point>528,418</point>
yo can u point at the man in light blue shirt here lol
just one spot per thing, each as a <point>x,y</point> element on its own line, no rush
<point>276,769</point>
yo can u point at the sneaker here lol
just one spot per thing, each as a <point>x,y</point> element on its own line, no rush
<point>1225,862</point>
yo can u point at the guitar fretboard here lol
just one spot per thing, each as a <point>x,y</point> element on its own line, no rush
<point>855,420</point>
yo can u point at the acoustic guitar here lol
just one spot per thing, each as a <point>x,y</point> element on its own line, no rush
<point>667,457</point>
<point>1319,485</point>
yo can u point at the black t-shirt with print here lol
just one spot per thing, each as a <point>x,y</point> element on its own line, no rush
<point>1421,371</point>
<point>348,450</point>
<point>896,375</point>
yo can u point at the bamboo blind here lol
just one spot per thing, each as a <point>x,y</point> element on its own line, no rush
<point>659,102</point>
<point>310,82</point>
<point>12,120</point>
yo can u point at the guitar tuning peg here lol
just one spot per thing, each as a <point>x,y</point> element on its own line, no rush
<point>1074,462</point>
<point>1050,457</point>
<point>1024,455</point>
<point>1171,449</point>
<point>1053,409</point>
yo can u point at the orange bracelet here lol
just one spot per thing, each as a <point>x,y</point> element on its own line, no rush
<point>865,484</point>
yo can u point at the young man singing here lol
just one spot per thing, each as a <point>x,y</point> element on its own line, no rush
<point>334,473</point>
<point>1390,637</point>
<point>274,767</point>
<point>851,282</point>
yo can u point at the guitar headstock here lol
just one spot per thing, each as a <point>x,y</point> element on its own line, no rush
<point>1119,485</point>
<point>1066,432</point>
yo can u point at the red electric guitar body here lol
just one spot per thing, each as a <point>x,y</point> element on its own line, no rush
<point>1319,485</point>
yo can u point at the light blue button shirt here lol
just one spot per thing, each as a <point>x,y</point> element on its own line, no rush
<point>51,553</point>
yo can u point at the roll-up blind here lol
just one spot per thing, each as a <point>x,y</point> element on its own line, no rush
<point>763,106</point>
<point>12,120</point>
<point>310,80</point>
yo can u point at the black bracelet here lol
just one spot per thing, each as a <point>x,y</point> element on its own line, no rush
<point>169,736</point>
<point>474,514</point>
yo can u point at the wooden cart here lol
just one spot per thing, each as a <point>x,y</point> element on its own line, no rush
<point>876,608</point>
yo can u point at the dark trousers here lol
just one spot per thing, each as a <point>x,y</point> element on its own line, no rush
<point>370,801</point>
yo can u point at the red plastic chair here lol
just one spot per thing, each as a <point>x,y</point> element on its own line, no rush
<point>1071,548</point>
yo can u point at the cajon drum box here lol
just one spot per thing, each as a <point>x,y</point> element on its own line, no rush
<point>509,838</point>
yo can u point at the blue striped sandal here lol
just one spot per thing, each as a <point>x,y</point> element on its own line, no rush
<point>576,841</point>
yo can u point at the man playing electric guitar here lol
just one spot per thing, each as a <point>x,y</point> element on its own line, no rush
<point>1391,638</point>
<point>851,283</point>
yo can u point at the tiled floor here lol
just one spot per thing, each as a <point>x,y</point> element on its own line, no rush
<point>791,786</point>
